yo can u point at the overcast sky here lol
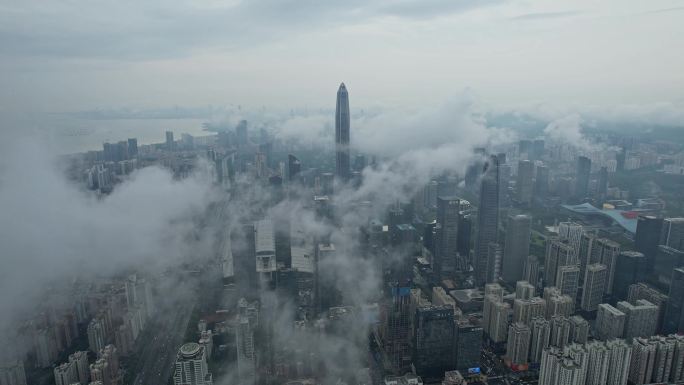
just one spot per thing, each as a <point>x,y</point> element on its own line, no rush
<point>66,55</point>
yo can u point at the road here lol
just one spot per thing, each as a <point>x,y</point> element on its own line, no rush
<point>158,355</point>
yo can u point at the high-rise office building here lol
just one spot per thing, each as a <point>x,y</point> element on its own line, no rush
<point>494,256</point>
<point>433,340</point>
<point>641,319</point>
<point>541,182</point>
<point>594,286</point>
<point>538,149</point>
<point>673,321</point>
<point>610,322</point>
<point>488,219</point>
<point>468,345</point>
<point>132,147</point>
<point>448,209</point>
<point>647,237</point>
<point>244,341</point>
<point>465,229</point>
<point>667,258</point>
<point>672,233</point>
<point>517,247</point>
<point>342,127</point>
<point>541,335</point>
<point>582,177</point>
<point>518,343</point>
<point>525,182</point>
<point>524,149</point>
<point>504,182</point>
<point>603,182</point>
<point>170,144</point>
<point>294,167</point>
<point>191,366</point>
<point>630,268</point>
<point>531,270</point>
<point>395,329</point>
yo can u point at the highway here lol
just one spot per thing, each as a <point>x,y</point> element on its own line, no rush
<point>158,354</point>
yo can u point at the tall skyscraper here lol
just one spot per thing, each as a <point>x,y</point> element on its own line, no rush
<point>132,147</point>
<point>580,329</point>
<point>561,331</point>
<point>170,144</point>
<point>448,209</point>
<point>244,341</point>
<point>558,253</point>
<point>608,362</point>
<point>603,182</point>
<point>630,268</point>
<point>541,335</point>
<point>667,259</point>
<point>531,270</point>
<point>487,219</point>
<point>191,366</point>
<point>605,251</point>
<point>525,182</point>
<point>342,123</point>
<point>672,233</point>
<point>567,280</point>
<point>582,177</point>
<point>518,344</point>
<point>499,322</point>
<point>433,340</point>
<point>294,167</point>
<point>468,345</point>
<point>563,366</point>
<point>517,247</point>
<point>541,182</point>
<point>594,286</point>
<point>647,237</point>
<point>643,291</point>
<point>673,321</point>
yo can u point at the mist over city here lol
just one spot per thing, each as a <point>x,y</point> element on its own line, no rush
<point>233,192</point>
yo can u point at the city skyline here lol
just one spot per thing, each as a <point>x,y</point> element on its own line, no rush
<point>183,204</point>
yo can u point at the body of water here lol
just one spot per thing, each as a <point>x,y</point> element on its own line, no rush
<point>71,135</point>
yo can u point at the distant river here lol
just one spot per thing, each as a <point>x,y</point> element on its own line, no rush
<point>70,135</point>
